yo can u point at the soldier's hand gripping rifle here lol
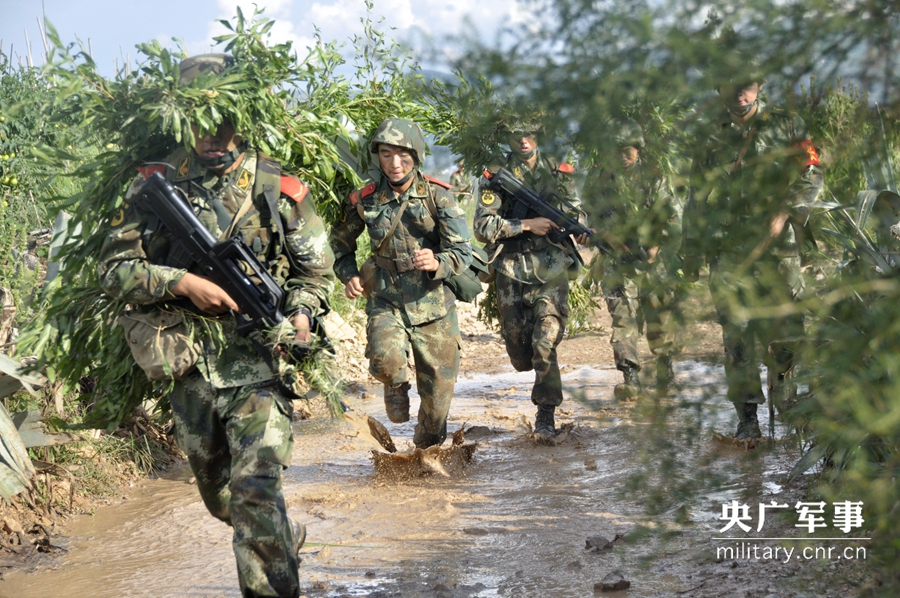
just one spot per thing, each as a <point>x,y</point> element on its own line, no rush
<point>526,201</point>
<point>230,264</point>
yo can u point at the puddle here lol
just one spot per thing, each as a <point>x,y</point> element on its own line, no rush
<point>513,525</point>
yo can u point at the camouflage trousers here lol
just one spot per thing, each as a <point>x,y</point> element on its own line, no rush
<point>772,281</point>
<point>238,441</point>
<point>634,298</point>
<point>435,351</point>
<point>532,323</point>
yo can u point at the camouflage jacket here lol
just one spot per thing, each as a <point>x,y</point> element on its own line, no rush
<point>526,257</point>
<point>421,296</point>
<point>742,177</point>
<point>635,208</point>
<point>133,259</point>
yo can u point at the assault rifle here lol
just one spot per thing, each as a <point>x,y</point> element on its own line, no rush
<point>527,200</point>
<point>230,263</point>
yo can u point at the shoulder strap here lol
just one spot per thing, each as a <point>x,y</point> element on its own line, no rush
<point>394,224</point>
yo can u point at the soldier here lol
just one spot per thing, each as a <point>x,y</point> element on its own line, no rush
<point>532,273</point>
<point>461,183</point>
<point>752,182</point>
<point>419,238</point>
<point>640,226</point>
<point>231,418</point>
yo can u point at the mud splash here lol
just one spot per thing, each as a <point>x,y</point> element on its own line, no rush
<point>512,523</point>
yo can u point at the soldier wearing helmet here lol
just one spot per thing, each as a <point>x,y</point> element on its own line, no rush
<point>639,225</point>
<point>226,394</point>
<point>532,273</point>
<point>754,176</point>
<point>418,237</point>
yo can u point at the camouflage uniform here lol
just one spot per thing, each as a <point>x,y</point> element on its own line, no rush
<point>462,185</point>
<point>740,179</point>
<point>637,211</point>
<point>409,309</point>
<point>230,417</point>
<point>532,275</point>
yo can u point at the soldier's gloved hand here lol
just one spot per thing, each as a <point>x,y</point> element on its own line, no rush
<point>690,266</point>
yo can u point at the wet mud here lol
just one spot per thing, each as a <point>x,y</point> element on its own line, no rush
<point>520,519</point>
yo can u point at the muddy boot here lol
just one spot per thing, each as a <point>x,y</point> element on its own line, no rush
<point>543,421</point>
<point>396,402</point>
<point>630,388</point>
<point>665,375</point>
<point>748,425</point>
<point>298,535</point>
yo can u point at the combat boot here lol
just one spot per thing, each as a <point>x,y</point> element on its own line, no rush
<point>543,421</point>
<point>298,535</point>
<point>630,388</point>
<point>748,425</point>
<point>665,375</point>
<point>396,402</point>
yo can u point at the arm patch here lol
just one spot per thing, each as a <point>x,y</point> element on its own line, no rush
<point>293,188</point>
<point>437,182</point>
<point>366,191</point>
<point>812,156</point>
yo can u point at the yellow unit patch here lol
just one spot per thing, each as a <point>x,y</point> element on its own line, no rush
<point>518,172</point>
<point>243,182</point>
<point>488,197</point>
<point>118,218</point>
<point>184,166</point>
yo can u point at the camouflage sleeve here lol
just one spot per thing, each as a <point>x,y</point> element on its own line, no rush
<point>311,280</point>
<point>489,226</point>
<point>694,219</point>
<point>568,191</point>
<point>806,187</point>
<point>343,242</point>
<point>455,253</point>
<point>125,270</point>
<point>666,213</point>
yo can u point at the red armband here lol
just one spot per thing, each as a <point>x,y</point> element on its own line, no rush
<point>294,188</point>
<point>812,156</point>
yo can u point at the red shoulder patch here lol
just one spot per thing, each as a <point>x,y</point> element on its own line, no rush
<point>437,182</point>
<point>147,171</point>
<point>566,168</point>
<point>809,152</point>
<point>366,191</point>
<point>293,188</point>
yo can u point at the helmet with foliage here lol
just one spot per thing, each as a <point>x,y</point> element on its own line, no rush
<point>402,133</point>
<point>529,125</point>
<point>203,63</point>
<point>734,62</point>
<point>628,132</point>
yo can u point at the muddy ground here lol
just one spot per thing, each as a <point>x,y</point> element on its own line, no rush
<point>514,523</point>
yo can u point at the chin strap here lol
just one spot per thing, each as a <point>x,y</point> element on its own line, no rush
<point>221,162</point>
<point>405,179</point>
<point>524,157</point>
<point>742,111</point>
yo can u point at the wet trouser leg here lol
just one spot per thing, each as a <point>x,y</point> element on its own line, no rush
<point>435,351</point>
<point>238,442</point>
<point>738,336</point>
<point>621,293</point>
<point>656,301</point>
<point>532,323</point>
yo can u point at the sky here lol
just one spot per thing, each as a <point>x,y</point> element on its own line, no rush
<point>114,27</point>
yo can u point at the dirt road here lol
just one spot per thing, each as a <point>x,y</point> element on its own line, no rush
<point>514,524</point>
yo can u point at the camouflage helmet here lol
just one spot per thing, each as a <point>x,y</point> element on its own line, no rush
<point>628,133</point>
<point>402,133</point>
<point>203,63</point>
<point>517,124</point>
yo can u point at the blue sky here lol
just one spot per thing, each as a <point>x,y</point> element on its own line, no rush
<point>114,24</point>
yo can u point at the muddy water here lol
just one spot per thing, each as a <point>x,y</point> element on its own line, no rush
<point>514,525</point>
